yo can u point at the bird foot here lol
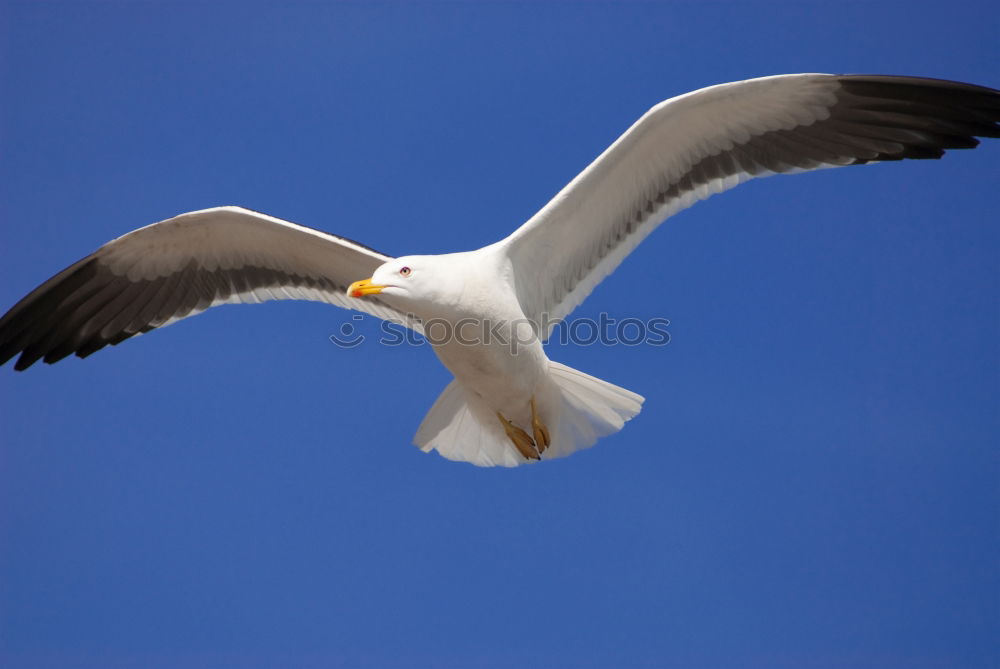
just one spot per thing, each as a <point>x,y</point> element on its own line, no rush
<point>530,448</point>
<point>542,439</point>
<point>524,444</point>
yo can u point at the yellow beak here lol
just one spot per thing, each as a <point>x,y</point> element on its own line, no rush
<point>364,287</point>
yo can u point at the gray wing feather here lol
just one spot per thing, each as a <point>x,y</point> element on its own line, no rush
<point>177,268</point>
<point>690,147</point>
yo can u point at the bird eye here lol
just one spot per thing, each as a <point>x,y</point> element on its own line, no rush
<point>405,271</point>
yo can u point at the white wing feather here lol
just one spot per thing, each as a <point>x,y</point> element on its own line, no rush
<point>174,269</point>
<point>698,144</point>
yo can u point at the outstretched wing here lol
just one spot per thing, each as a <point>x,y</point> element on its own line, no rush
<point>177,268</point>
<point>702,143</point>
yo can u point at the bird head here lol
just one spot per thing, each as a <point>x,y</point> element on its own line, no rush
<point>411,281</point>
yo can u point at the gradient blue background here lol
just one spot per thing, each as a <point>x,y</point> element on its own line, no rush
<point>813,481</point>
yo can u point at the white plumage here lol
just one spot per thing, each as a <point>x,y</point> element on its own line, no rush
<point>508,404</point>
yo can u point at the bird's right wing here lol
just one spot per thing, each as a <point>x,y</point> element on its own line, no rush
<point>177,268</point>
<point>694,145</point>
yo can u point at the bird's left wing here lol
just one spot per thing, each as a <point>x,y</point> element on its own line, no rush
<point>177,268</point>
<point>695,145</point>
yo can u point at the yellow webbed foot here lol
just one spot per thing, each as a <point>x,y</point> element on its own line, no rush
<point>542,438</point>
<point>524,444</point>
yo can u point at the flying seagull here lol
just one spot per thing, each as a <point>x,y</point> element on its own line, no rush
<point>507,405</point>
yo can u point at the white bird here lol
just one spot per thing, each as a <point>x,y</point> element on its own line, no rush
<point>507,405</point>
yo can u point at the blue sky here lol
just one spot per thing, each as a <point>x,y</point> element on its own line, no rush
<point>813,481</point>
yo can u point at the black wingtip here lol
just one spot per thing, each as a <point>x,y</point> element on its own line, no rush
<point>25,361</point>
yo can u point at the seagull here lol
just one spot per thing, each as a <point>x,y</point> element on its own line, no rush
<point>507,404</point>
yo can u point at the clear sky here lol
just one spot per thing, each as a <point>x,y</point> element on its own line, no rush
<point>813,482</point>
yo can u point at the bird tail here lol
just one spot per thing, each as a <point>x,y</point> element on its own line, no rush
<point>577,408</point>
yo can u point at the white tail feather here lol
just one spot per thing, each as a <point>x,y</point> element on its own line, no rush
<point>577,408</point>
